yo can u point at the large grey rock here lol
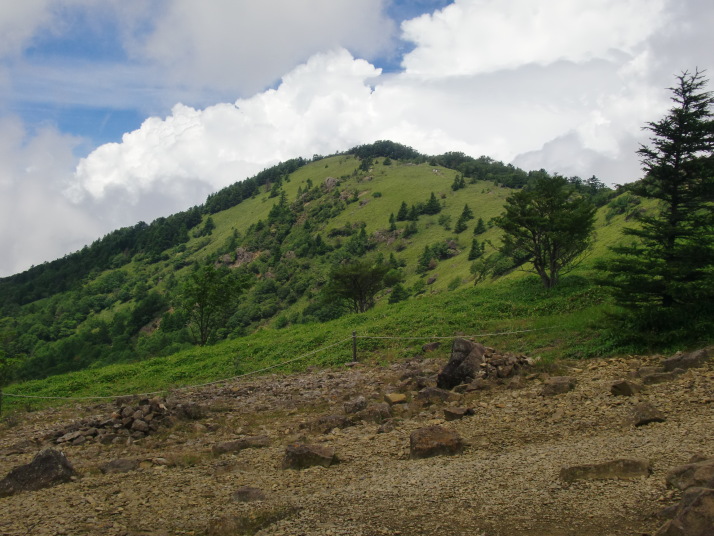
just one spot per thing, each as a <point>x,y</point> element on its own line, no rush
<point>463,366</point>
<point>615,469</point>
<point>434,441</point>
<point>48,468</point>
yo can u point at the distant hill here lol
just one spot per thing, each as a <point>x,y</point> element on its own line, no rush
<point>282,232</point>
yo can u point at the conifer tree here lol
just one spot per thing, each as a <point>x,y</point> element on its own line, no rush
<point>664,275</point>
<point>403,212</point>
<point>480,227</point>
<point>476,250</point>
<point>432,206</point>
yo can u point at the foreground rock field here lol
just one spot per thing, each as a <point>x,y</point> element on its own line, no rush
<point>219,460</point>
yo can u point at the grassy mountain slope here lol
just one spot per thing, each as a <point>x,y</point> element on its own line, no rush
<point>121,311</point>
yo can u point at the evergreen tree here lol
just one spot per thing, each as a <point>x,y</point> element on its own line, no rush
<point>392,222</point>
<point>476,250</point>
<point>403,212</point>
<point>399,293</point>
<point>460,225</point>
<point>413,213</point>
<point>410,229</point>
<point>424,261</point>
<point>467,214</point>
<point>480,227</point>
<point>664,277</point>
<point>432,206</point>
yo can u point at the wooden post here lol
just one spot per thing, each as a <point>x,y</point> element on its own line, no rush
<point>354,346</point>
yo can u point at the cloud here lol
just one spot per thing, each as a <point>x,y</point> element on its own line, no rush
<point>479,36</point>
<point>38,222</point>
<point>244,47</point>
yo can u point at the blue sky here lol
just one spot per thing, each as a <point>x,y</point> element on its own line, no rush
<point>118,111</point>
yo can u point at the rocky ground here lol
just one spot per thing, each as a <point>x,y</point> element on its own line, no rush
<point>218,468</point>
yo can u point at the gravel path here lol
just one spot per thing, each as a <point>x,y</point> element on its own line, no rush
<point>505,483</point>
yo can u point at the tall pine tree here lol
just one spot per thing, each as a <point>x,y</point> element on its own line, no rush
<point>664,275</point>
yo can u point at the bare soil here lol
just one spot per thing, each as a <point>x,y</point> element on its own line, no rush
<point>506,482</point>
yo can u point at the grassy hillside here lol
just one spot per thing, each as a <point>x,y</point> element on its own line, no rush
<point>282,235</point>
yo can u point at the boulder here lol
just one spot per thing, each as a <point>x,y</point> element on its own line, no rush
<point>558,385</point>
<point>685,361</point>
<point>615,469</point>
<point>434,441</point>
<point>301,456</point>
<point>624,388</point>
<point>661,377</point>
<point>645,413</point>
<point>463,366</point>
<point>694,474</point>
<point>48,468</point>
<point>694,515</point>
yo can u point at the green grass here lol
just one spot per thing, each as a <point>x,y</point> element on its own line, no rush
<point>561,323</point>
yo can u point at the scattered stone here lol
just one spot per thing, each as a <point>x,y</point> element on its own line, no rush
<point>431,395</point>
<point>355,405</point>
<point>376,413</point>
<point>453,413</point>
<point>624,388</point>
<point>248,494</point>
<point>189,411</point>
<point>694,515</point>
<point>301,456</point>
<point>558,385</point>
<point>249,523</point>
<point>252,442</point>
<point>395,398</point>
<point>645,413</point>
<point>386,427</point>
<point>694,474</point>
<point>430,347</point>
<point>684,361</point>
<point>463,365</point>
<point>48,468</point>
<point>121,465</point>
<point>661,377</point>
<point>139,425</point>
<point>327,423</point>
<point>434,441</point>
<point>615,469</point>
<point>479,384</point>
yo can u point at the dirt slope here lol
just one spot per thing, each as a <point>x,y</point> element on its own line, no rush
<point>505,483</point>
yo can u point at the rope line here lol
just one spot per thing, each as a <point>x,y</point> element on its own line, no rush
<point>271,367</point>
<point>185,387</point>
<point>452,336</point>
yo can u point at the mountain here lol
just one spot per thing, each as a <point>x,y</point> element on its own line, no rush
<point>279,234</point>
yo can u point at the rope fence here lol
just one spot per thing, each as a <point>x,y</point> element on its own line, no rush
<point>353,338</point>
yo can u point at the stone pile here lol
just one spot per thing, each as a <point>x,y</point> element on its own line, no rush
<point>694,515</point>
<point>471,361</point>
<point>130,420</point>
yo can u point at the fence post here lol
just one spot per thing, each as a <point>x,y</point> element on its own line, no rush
<point>354,346</point>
